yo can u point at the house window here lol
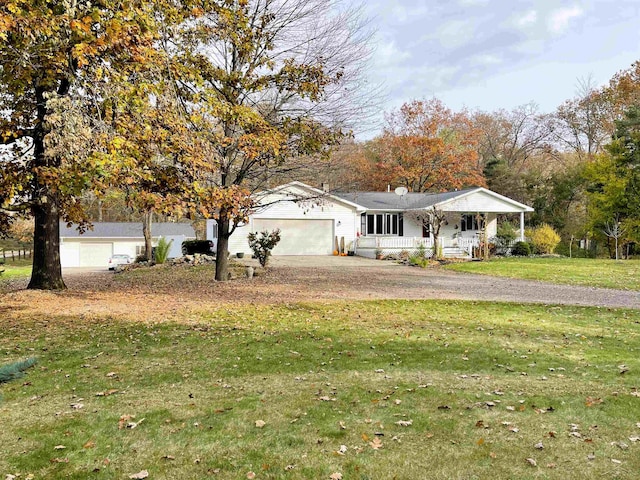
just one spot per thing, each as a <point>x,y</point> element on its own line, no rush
<point>470,222</point>
<point>381,224</point>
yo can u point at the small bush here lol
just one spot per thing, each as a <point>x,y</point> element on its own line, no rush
<point>262,243</point>
<point>521,249</point>
<point>505,234</point>
<point>162,250</point>
<point>418,260</point>
<point>191,247</point>
<point>544,239</point>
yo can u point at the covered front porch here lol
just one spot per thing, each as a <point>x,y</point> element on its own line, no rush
<point>451,248</point>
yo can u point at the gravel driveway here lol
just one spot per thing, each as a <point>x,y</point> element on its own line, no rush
<point>361,278</point>
<point>298,279</point>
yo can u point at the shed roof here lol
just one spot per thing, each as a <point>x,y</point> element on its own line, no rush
<point>127,230</point>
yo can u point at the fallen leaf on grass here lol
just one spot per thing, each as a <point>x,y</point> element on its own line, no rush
<point>59,447</point>
<point>251,475</point>
<point>376,443</point>
<point>59,460</point>
<point>124,419</point>
<point>335,476</point>
<point>260,423</point>
<point>342,450</point>
<point>539,446</point>
<point>140,475</point>
<point>106,393</point>
<point>89,444</point>
<point>480,441</point>
<point>404,423</point>
<point>532,462</point>
<point>590,401</point>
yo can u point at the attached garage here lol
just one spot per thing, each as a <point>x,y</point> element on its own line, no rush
<point>300,237</point>
<point>95,254</point>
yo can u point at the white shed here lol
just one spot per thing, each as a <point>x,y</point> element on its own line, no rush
<point>94,247</point>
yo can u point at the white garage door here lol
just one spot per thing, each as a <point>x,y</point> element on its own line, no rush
<point>95,254</point>
<point>300,237</point>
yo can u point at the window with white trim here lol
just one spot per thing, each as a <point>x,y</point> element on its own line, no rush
<point>381,224</point>
<point>470,222</point>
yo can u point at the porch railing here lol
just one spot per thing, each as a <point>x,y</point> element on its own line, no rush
<point>403,243</point>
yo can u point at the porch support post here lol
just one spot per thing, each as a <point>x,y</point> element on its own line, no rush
<point>522,226</point>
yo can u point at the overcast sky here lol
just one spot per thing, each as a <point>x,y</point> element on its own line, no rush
<point>492,54</point>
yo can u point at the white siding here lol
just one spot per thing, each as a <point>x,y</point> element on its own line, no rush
<point>346,222</point>
<point>480,202</point>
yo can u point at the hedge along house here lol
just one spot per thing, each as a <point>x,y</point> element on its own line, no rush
<point>94,247</point>
<point>388,228</point>
<point>310,220</point>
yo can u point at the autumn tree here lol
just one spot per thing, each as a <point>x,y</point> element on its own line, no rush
<point>424,147</point>
<point>49,51</point>
<point>265,83</point>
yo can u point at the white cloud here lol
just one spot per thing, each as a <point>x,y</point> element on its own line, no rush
<point>472,3</point>
<point>529,18</point>
<point>455,33</point>
<point>387,54</point>
<point>560,19</point>
<point>486,59</point>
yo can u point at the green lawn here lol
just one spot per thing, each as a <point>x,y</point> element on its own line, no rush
<point>15,269</point>
<point>620,274</point>
<point>370,390</point>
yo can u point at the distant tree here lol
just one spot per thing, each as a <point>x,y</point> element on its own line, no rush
<point>516,149</point>
<point>424,147</point>
<point>615,230</point>
<point>585,123</point>
<point>613,188</point>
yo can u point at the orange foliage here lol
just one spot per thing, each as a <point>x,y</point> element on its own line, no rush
<point>424,147</point>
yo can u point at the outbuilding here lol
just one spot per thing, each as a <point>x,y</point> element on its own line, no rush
<point>94,247</point>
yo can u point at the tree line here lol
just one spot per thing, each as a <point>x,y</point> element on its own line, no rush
<point>579,166</point>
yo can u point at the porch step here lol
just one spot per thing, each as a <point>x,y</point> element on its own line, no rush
<point>454,252</point>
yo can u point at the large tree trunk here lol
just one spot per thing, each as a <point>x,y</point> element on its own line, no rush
<point>222,253</point>
<point>146,232</point>
<point>47,272</point>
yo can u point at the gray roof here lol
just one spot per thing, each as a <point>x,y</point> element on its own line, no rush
<point>128,230</point>
<point>391,201</point>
